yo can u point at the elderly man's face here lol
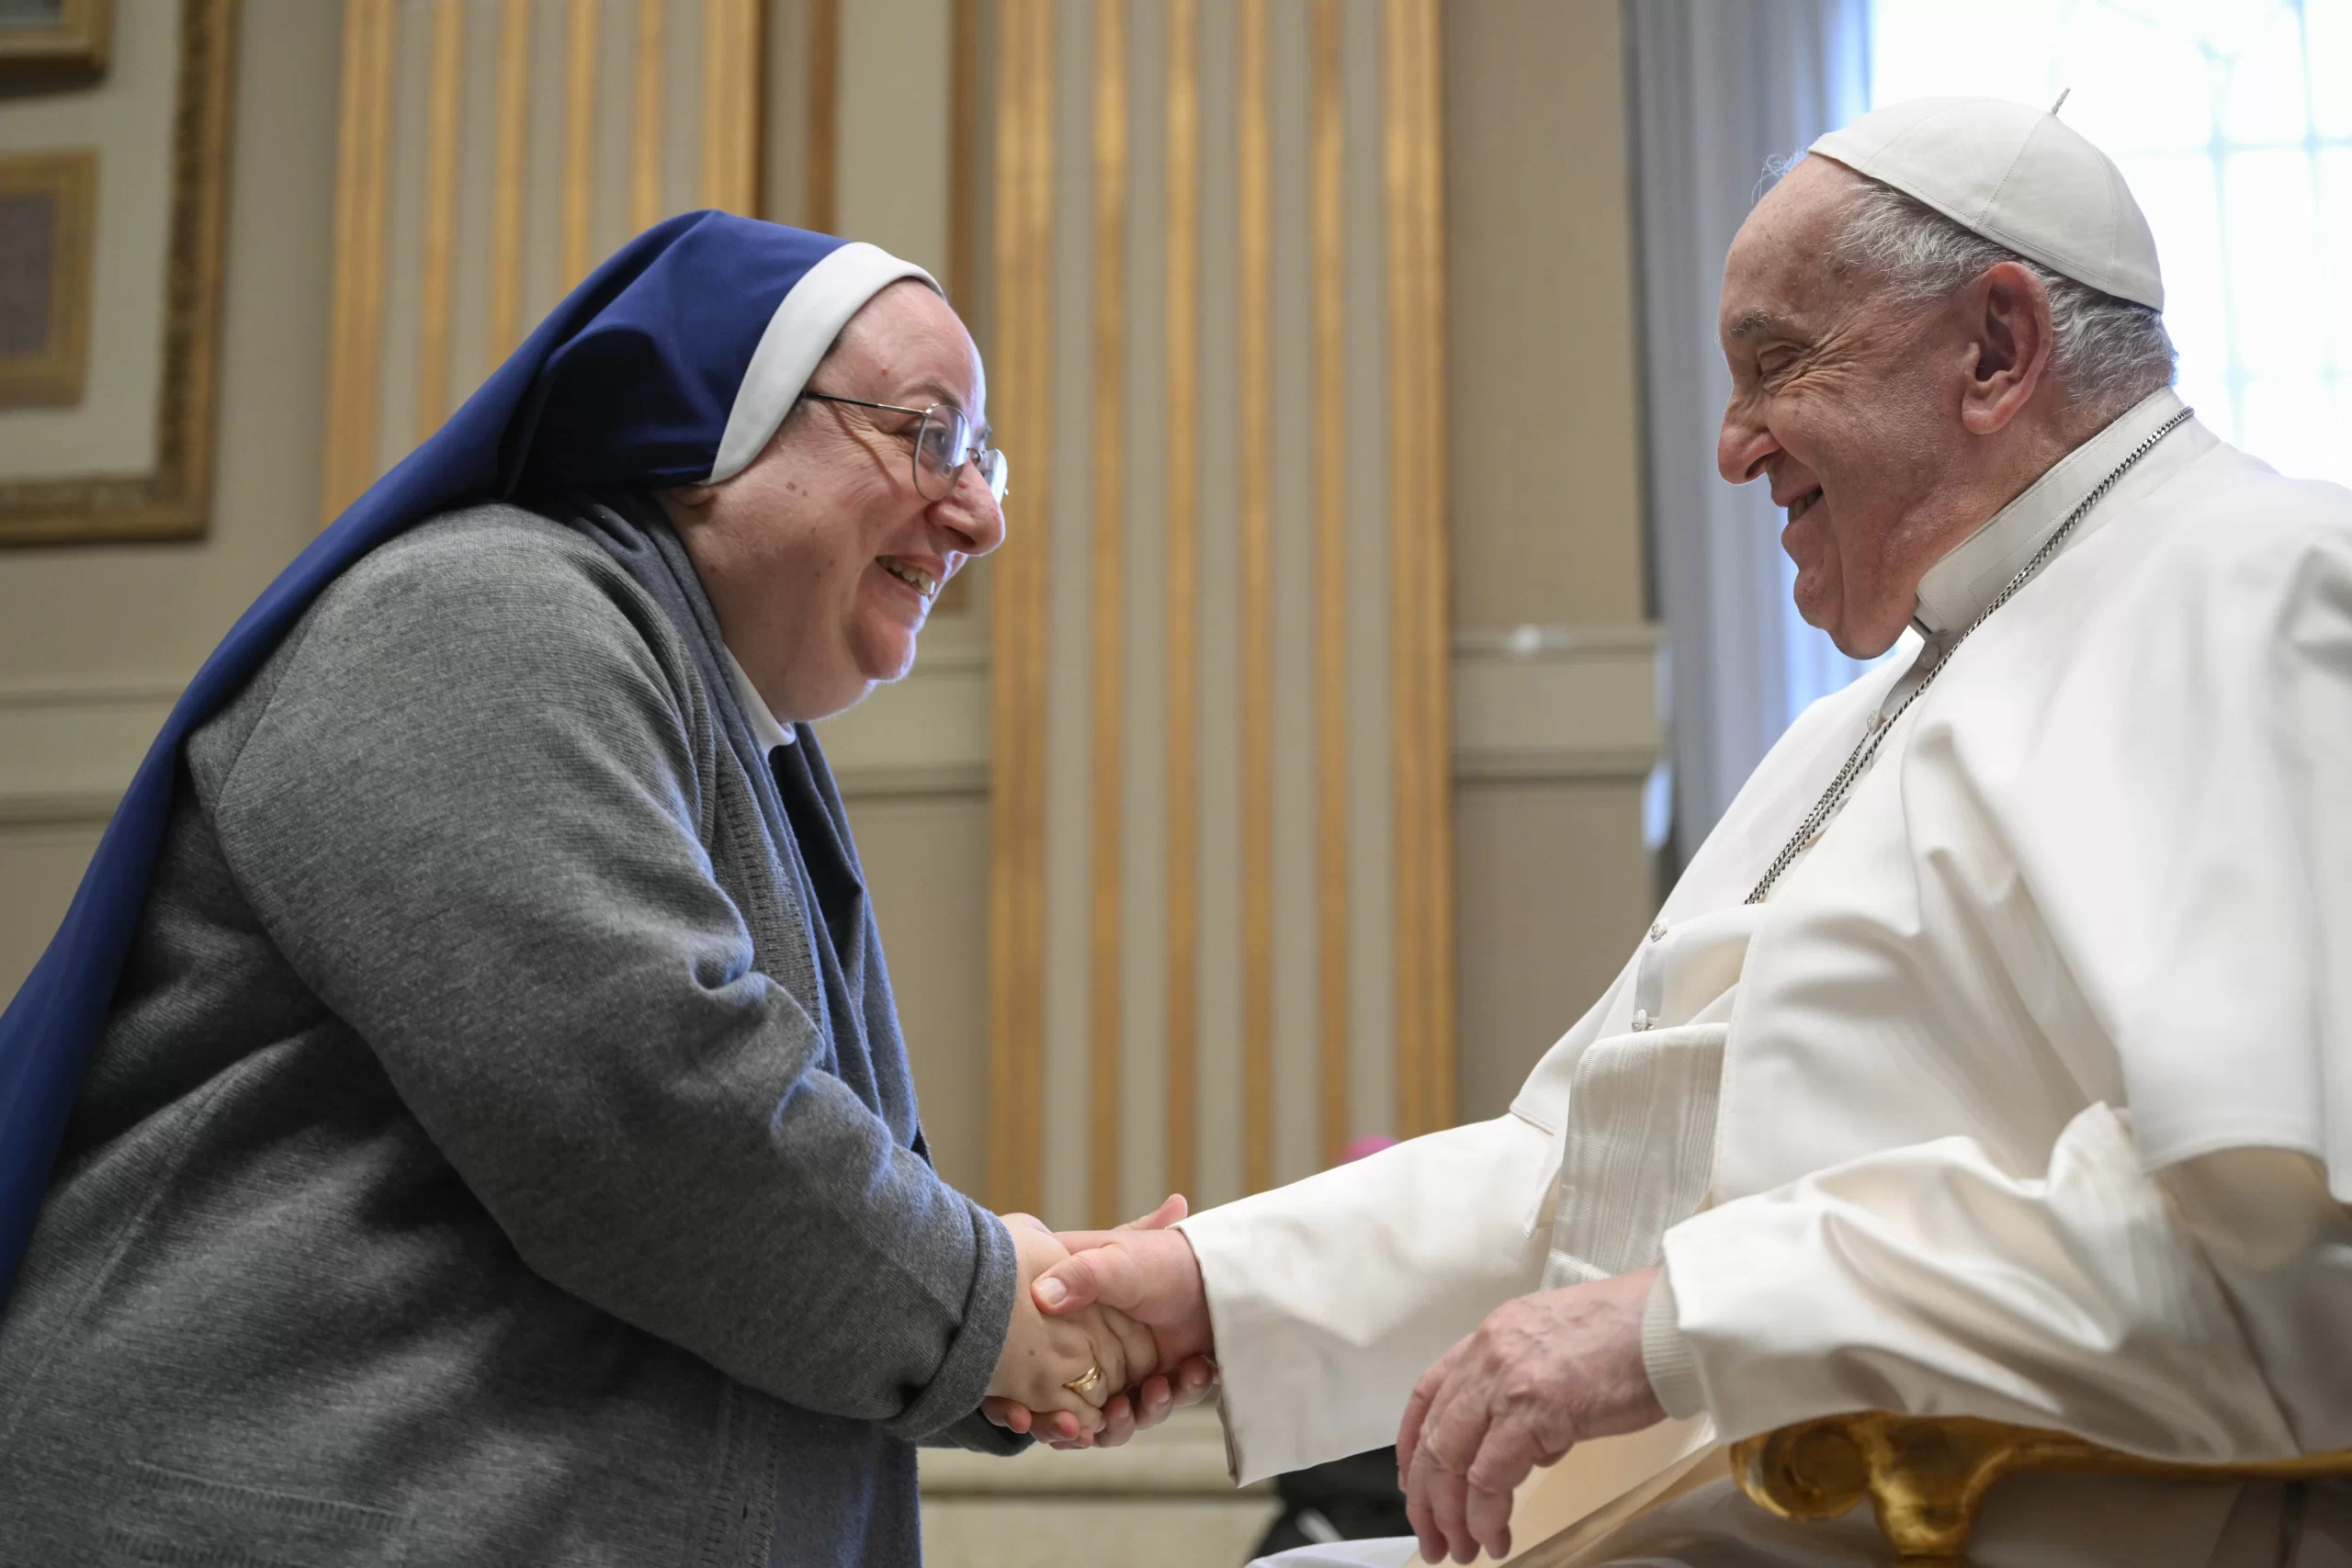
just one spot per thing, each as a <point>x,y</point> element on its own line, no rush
<point>1848,404</point>
<point>823,557</point>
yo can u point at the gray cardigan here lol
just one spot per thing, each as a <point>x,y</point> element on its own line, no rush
<point>474,1169</point>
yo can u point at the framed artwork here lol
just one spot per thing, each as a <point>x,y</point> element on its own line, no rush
<point>54,41</point>
<point>113,202</point>
<point>46,201</point>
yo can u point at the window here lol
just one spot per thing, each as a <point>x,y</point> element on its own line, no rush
<point>2233,121</point>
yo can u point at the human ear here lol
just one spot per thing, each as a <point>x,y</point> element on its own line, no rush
<point>2007,315</point>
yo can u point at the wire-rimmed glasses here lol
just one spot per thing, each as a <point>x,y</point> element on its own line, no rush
<point>943,443</point>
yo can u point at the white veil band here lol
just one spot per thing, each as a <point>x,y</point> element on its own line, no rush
<point>805,322</point>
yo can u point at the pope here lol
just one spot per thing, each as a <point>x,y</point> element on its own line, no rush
<point>1993,1056</point>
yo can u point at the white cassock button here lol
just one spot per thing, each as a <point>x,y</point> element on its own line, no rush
<point>1657,931</point>
<point>1641,1020</point>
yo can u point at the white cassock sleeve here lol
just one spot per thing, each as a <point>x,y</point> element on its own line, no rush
<point>1331,1296</point>
<point>1929,1281</point>
<point>2282,1247</point>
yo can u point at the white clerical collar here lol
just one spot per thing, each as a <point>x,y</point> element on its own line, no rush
<point>1957,588</point>
<point>770,734</point>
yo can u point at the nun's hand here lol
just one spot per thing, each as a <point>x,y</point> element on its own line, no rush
<point>1064,1369</point>
<point>1162,1292</point>
<point>1130,1411</point>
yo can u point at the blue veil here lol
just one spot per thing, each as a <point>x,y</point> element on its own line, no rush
<point>672,364</point>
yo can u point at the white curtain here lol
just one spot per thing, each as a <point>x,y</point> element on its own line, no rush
<point>1719,87</point>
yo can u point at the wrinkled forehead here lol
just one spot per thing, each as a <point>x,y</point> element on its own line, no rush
<point>1777,272</point>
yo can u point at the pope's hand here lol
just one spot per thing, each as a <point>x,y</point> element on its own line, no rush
<point>1541,1374</point>
<point>1148,1273</point>
<point>1044,1356</point>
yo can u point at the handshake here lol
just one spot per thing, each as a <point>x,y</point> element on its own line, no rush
<point>1110,1331</point>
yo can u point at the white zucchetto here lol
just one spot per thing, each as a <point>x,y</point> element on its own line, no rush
<point>2017,175</point>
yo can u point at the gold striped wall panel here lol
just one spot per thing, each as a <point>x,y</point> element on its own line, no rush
<point>512,146</point>
<point>1417,448</point>
<point>1182,415</point>
<point>491,153</point>
<point>1328,198</point>
<point>1219,885</point>
<point>579,71</point>
<point>968,101</point>
<point>1107,849</point>
<point>1022,408</point>
<point>362,180</point>
<point>647,124</point>
<point>821,199</point>
<point>731,57</point>
<point>1253,193</point>
<point>437,265</point>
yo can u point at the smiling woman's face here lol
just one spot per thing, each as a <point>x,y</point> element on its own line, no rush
<point>822,559</point>
<point>1849,405</point>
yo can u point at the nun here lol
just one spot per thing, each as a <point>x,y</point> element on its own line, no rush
<point>463,1118</point>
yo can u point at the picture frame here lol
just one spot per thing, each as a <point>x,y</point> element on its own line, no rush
<point>47,203</point>
<point>61,41</point>
<point>170,499</point>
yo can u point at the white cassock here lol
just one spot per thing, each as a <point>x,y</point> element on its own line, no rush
<point>2026,1094</point>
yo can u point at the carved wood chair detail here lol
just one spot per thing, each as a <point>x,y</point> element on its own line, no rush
<point>1926,1477</point>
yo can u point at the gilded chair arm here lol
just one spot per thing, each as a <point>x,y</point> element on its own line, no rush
<point>1927,1476</point>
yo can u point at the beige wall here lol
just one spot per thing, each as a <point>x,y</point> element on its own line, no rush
<point>926,859</point>
<point>94,642</point>
<point>1546,465</point>
<point>1552,885</point>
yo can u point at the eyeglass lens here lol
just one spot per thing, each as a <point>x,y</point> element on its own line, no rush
<point>993,472</point>
<point>942,447</point>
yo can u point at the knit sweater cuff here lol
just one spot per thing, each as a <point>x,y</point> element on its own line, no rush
<point>962,1379</point>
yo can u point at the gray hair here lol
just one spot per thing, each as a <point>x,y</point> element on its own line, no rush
<point>2110,353</point>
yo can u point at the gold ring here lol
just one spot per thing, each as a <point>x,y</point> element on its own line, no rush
<point>1087,1385</point>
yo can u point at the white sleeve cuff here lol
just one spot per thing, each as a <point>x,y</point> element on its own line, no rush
<point>1667,1355</point>
<point>1329,1297</point>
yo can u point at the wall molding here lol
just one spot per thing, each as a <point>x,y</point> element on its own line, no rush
<point>68,745</point>
<point>86,690</point>
<point>1531,705</point>
<point>925,736</point>
<point>1535,705</point>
